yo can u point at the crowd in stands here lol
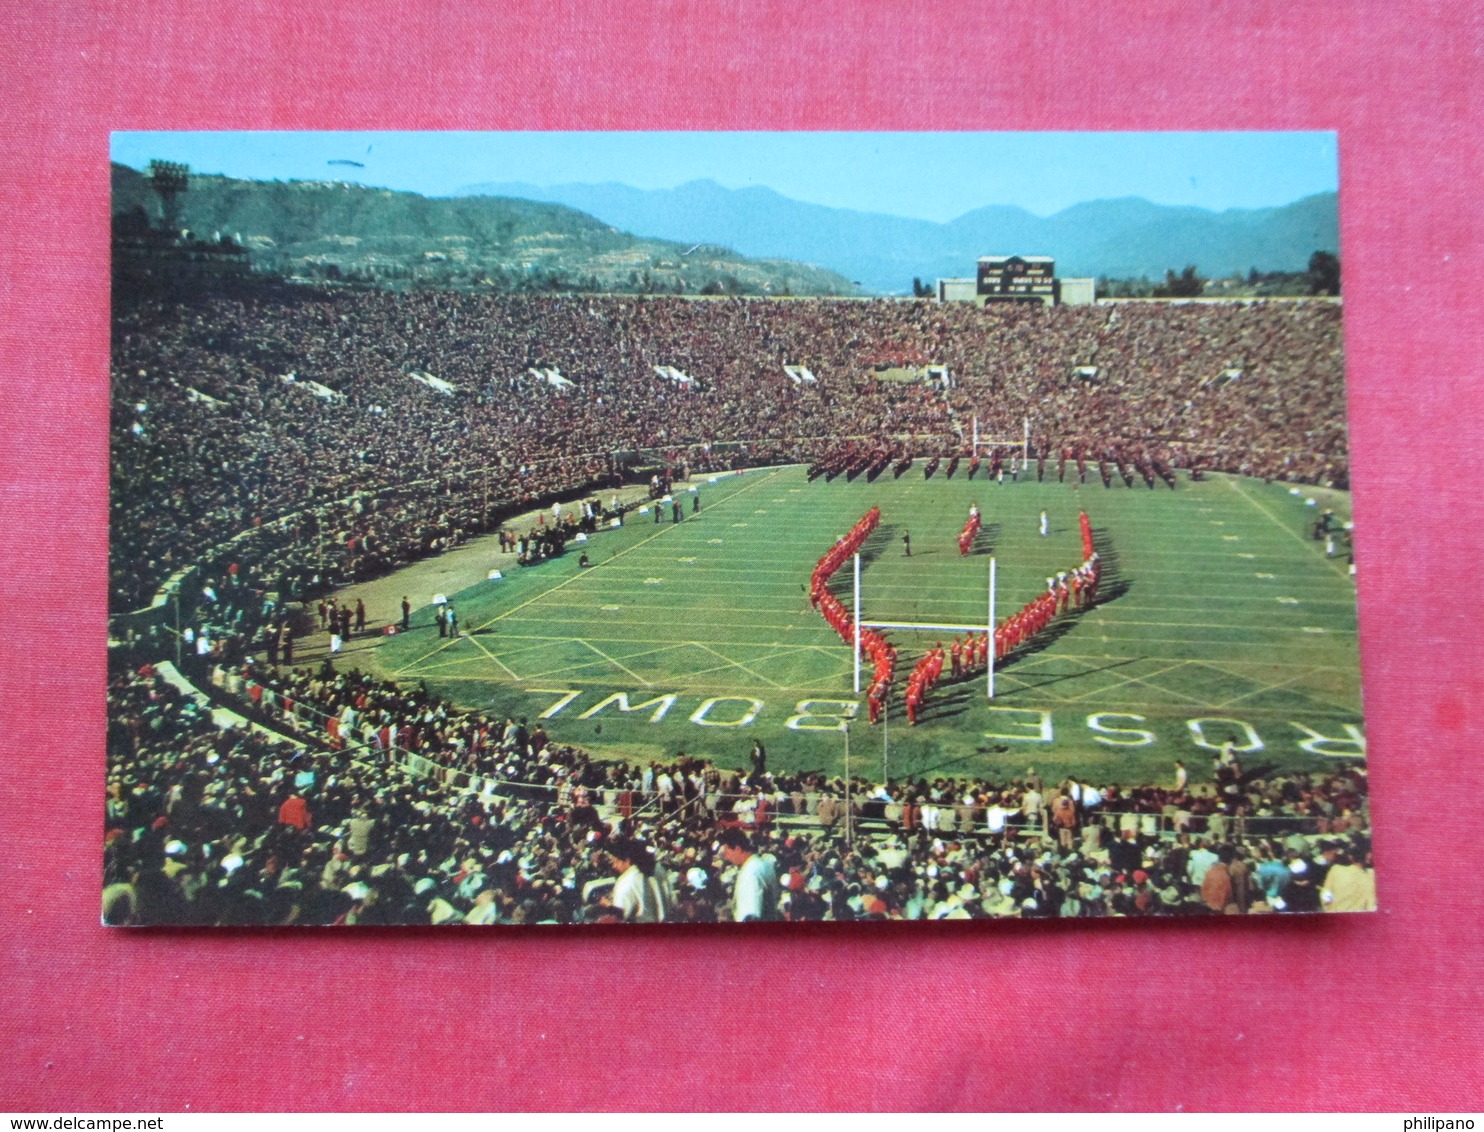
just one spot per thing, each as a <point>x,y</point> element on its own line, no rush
<point>210,825</point>
<point>393,806</point>
<point>353,467</point>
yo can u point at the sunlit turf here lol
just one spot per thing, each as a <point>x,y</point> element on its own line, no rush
<point>1220,618</point>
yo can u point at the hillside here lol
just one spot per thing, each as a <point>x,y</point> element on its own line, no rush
<point>335,230</point>
<point>1115,238</point>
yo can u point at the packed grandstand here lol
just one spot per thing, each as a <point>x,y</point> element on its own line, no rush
<point>273,444</point>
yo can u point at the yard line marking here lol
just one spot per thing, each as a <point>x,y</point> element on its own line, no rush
<point>562,673</point>
<point>649,640</point>
<point>1260,691</point>
<point>743,667</point>
<point>436,665</point>
<point>480,646</point>
<point>1146,680</point>
<point>1283,526</point>
<point>615,663</point>
<point>666,529</point>
<point>836,691</point>
<point>1111,623</point>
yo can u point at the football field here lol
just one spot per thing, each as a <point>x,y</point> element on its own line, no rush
<point>1219,619</point>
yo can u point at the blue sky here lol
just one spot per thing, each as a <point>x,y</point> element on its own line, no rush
<point>934,176</point>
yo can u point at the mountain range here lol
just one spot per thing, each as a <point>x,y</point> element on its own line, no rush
<point>1121,239</point>
<point>345,232</point>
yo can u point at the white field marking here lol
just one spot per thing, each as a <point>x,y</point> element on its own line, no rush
<point>1218,557</point>
<point>1244,554</point>
<point>1268,576</point>
<point>420,669</point>
<point>1304,672</point>
<point>731,665</point>
<point>784,650</point>
<point>610,608</point>
<point>688,681</point>
<point>588,574</point>
<point>593,663</point>
<point>1119,624</point>
<point>605,682</point>
<point>1185,638</point>
<point>1259,691</point>
<point>701,714</point>
<point>668,646</point>
<point>644,613</point>
<point>743,667</point>
<point>441,664</point>
<point>1316,740</point>
<point>1232,538</point>
<point>621,700</point>
<point>1217,522</point>
<point>616,663</point>
<point>779,499</point>
<point>1147,680</point>
<point>782,577</point>
<point>1314,629</point>
<point>1043,659</point>
<point>741,524</point>
<point>689,558</point>
<point>795,490</point>
<point>1314,696</point>
<point>1288,601</point>
<point>714,541</point>
<point>1237,652</point>
<point>480,645</point>
<point>568,672</point>
<point>659,646</point>
<point>654,581</point>
<point>1289,531</point>
<point>728,663</point>
<point>761,511</point>
<point>1318,703</point>
<point>1045,731</point>
<point>1197,729</point>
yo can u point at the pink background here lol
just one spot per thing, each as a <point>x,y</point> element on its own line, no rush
<point>1371,1012</point>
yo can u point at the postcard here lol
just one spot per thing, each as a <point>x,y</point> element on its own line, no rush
<point>600,528</point>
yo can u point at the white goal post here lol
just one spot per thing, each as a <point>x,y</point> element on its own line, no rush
<point>941,627</point>
<point>1023,442</point>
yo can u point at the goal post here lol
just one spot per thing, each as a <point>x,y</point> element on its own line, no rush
<point>860,623</point>
<point>1022,442</point>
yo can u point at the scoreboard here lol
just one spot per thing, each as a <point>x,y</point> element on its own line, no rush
<point>1016,278</point>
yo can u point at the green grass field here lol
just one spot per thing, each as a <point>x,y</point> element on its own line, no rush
<point>1219,619</point>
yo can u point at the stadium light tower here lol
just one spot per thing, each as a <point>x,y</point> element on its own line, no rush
<point>170,179</point>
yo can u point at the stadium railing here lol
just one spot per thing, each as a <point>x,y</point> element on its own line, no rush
<point>868,814</point>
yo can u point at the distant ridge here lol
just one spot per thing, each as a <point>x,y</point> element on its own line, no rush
<point>1124,238</point>
<point>346,232</point>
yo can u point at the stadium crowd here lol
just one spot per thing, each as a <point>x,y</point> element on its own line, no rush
<point>291,419</point>
<point>207,824</point>
<point>280,440</point>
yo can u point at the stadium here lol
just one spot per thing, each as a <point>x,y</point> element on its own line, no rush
<point>1098,560</point>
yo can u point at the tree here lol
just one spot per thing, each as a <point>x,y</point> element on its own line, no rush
<point>920,290</point>
<point>1324,274</point>
<point>1186,285</point>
